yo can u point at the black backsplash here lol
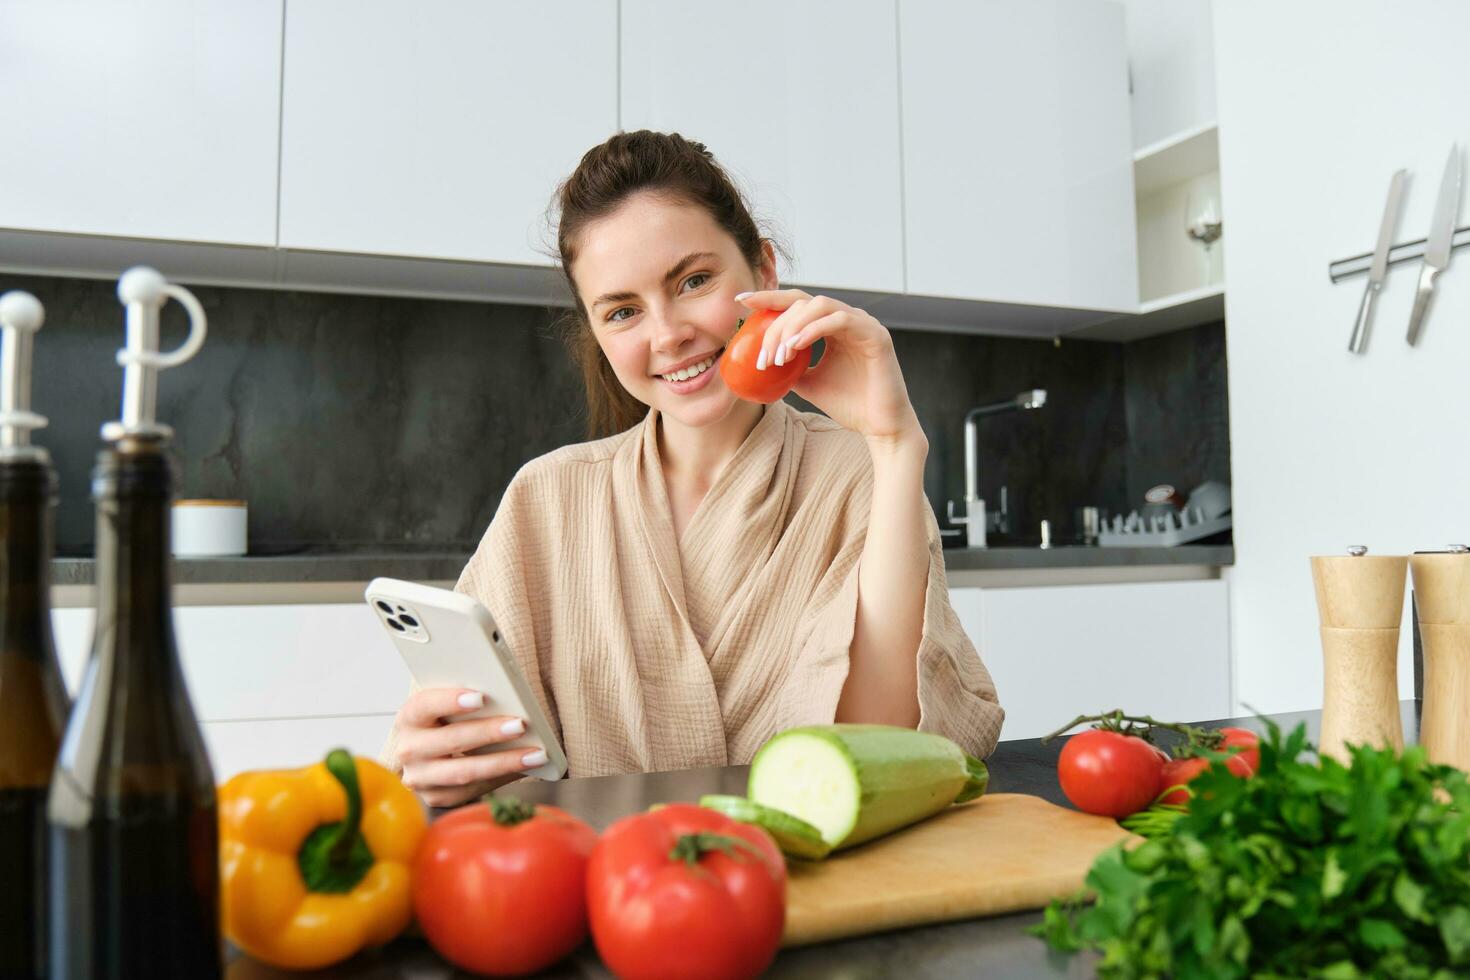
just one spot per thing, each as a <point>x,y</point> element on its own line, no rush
<point>1178,410</point>
<point>356,422</point>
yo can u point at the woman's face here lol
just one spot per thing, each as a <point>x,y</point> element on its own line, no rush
<point>658,280</point>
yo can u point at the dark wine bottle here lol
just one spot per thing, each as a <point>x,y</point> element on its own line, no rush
<point>33,702</point>
<point>134,830</point>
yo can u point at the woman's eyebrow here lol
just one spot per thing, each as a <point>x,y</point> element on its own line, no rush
<point>674,273</point>
<point>686,262</point>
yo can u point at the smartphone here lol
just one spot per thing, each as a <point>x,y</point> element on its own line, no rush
<point>449,639</point>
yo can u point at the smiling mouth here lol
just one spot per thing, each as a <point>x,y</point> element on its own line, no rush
<point>693,370</point>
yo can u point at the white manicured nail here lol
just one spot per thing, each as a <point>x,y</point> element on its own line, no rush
<point>533,759</point>
<point>472,699</point>
<point>740,296</point>
<point>760,362</point>
<point>513,727</point>
<point>780,355</point>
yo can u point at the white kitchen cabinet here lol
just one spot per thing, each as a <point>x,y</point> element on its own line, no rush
<point>73,629</point>
<point>273,684</point>
<point>807,122</point>
<point>154,120</point>
<point>1171,62</point>
<point>439,129</point>
<point>246,663</point>
<point>1056,652</point>
<point>237,746</point>
<point>1018,161</point>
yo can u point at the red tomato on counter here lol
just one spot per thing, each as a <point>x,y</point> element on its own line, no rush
<point>684,891</point>
<point>1180,772</point>
<point>1108,773</point>
<point>1249,757</point>
<point>499,887</point>
<point>737,364</point>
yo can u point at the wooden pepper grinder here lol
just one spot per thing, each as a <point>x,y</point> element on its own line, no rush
<point>1360,602</point>
<point>1442,594</point>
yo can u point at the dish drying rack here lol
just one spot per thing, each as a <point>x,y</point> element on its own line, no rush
<point>1160,531</point>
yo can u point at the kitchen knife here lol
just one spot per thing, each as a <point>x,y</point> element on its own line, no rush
<point>1376,272</point>
<point>1441,233</point>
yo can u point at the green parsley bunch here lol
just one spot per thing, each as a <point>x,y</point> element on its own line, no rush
<point>1310,869</point>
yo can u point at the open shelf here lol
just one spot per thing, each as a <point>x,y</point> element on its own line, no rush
<point>1181,157</point>
<point>1187,309</point>
<point>1178,286</point>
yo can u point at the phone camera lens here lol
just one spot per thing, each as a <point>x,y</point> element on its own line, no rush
<point>408,620</point>
<point>397,625</point>
<point>385,607</point>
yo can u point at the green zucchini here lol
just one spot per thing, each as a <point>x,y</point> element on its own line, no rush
<point>792,834</point>
<point>857,782</point>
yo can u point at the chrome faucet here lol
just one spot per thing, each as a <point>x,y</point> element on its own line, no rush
<point>974,519</point>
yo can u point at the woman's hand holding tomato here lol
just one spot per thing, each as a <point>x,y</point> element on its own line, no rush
<point>499,886</point>
<point>683,891</point>
<point>858,383</point>
<point>743,353</point>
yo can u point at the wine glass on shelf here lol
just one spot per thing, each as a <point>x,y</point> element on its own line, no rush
<point>1203,224</point>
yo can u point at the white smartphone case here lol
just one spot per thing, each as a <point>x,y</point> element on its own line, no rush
<point>448,639</point>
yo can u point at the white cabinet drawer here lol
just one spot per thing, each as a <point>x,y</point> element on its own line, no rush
<point>259,662</point>
<point>1055,652</point>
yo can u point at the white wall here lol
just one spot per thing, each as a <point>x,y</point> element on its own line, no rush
<point>1171,65</point>
<point>1319,103</point>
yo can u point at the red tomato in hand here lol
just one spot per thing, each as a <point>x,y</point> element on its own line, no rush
<point>499,890</point>
<point>737,364</point>
<point>1179,772</point>
<point>1109,774</point>
<point>683,891</point>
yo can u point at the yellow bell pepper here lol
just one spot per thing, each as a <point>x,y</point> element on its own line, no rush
<point>315,863</point>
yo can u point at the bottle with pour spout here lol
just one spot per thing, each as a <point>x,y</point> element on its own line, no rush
<point>33,703</point>
<point>132,812</point>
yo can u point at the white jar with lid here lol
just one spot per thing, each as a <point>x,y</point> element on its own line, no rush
<point>209,528</point>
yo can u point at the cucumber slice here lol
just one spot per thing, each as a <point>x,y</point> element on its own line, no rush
<point>857,782</point>
<point>792,834</point>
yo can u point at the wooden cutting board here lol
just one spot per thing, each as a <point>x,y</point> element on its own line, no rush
<point>997,854</point>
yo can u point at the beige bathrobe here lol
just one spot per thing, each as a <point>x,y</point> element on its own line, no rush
<point>648,653</point>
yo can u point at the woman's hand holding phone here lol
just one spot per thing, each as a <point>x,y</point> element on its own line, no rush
<point>432,751</point>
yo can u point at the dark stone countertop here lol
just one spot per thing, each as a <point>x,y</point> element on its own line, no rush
<point>428,566</point>
<point>1077,556</point>
<point>445,565</point>
<point>996,947</point>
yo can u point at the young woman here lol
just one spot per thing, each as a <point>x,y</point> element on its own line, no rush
<point>710,571</point>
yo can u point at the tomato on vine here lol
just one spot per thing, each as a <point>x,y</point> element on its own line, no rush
<point>1109,773</point>
<point>1244,762</point>
<point>1115,769</point>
